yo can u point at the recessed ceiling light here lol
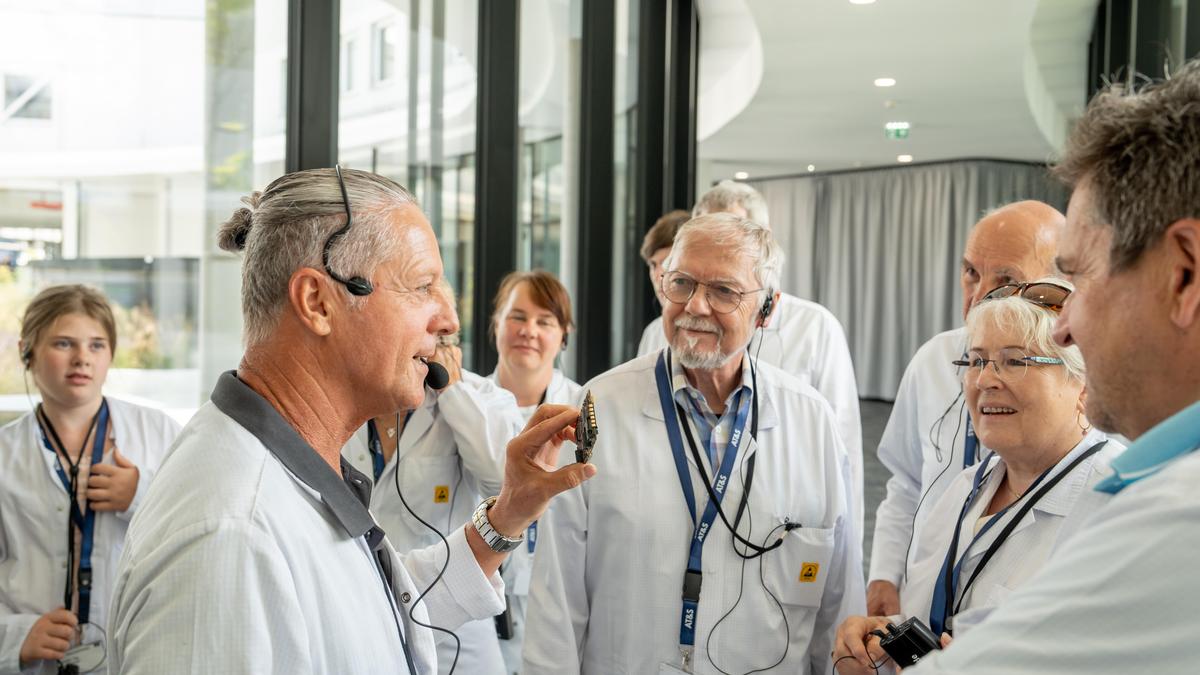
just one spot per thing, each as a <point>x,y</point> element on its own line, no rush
<point>741,175</point>
<point>894,126</point>
<point>885,82</point>
<point>812,167</point>
<point>862,2</point>
<point>904,159</point>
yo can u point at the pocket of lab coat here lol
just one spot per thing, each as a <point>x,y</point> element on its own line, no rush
<point>429,484</point>
<point>797,570</point>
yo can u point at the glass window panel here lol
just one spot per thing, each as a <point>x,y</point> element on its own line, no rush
<point>421,131</point>
<point>126,196</point>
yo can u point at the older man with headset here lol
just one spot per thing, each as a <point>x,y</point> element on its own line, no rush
<point>256,552</point>
<point>721,535</point>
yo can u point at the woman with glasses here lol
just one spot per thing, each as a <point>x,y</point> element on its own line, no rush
<point>999,522</point>
<point>531,322</point>
<point>72,473</point>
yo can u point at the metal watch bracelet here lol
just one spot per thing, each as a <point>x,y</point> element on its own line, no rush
<point>495,541</point>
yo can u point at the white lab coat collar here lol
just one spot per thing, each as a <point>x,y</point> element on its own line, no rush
<point>1057,502</point>
<point>768,417</point>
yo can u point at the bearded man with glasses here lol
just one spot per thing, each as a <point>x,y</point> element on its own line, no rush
<point>720,536</point>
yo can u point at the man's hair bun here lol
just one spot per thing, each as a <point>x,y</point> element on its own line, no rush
<point>232,235</point>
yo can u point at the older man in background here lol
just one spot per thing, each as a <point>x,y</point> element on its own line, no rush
<point>800,337</point>
<point>636,573</point>
<point>928,439</point>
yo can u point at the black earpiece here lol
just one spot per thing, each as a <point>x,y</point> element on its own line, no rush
<point>355,285</point>
<point>27,358</point>
<point>767,306</point>
<point>566,340</point>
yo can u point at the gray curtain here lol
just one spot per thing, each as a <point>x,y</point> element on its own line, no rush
<point>882,249</point>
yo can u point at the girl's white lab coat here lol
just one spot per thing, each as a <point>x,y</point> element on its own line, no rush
<point>517,569</point>
<point>33,521</point>
<point>609,569</point>
<point>1052,520</point>
<point>450,458</point>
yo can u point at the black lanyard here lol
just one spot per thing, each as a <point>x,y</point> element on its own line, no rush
<point>1008,529</point>
<point>80,517</point>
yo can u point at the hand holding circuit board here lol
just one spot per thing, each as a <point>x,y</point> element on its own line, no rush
<point>585,430</point>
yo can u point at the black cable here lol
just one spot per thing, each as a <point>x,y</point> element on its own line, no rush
<point>440,574</point>
<point>851,656</point>
<point>912,531</point>
<point>741,576</point>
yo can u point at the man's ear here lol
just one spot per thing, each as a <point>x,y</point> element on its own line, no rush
<point>1182,244</point>
<point>311,300</point>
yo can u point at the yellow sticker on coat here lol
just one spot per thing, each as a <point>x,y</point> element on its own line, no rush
<point>808,572</point>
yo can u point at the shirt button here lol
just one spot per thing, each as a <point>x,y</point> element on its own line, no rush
<point>60,509</point>
<point>64,565</point>
<point>405,597</point>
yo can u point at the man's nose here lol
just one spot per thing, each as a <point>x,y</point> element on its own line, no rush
<point>697,305</point>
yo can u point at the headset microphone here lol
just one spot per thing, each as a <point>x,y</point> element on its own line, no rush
<point>437,377</point>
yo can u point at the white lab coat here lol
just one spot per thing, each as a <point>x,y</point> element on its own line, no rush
<point>33,521</point>
<point>1052,521</point>
<point>929,409</point>
<point>517,569</point>
<point>450,457</point>
<point>1119,597</point>
<point>807,341</point>
<point>235,565</point>
<point>610,561</point>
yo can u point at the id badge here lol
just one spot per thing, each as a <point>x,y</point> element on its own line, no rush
<point>87,657</point>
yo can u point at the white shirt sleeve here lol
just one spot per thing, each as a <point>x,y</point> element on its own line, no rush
<point>844,595</point>
<point>14,628</point>
<point>464,593</point>
<point>483,418</point>
<point>215,601</point>
<point>900,451</point>
<point>1119,598</point>
<point>557,616</point>
<point>835,380</point>
<point>158,440</point>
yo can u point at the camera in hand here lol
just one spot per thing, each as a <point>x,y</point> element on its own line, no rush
<point>908,642</point>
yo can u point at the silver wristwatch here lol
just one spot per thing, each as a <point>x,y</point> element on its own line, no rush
<point>495,541</point>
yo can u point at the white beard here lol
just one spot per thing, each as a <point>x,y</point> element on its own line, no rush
<point>684,346</point>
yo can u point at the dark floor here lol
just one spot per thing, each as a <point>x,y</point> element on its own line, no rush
<point>874,419</point>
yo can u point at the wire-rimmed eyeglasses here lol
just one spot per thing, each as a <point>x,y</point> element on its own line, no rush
<point>1009,364</point>
<point>679,288</point>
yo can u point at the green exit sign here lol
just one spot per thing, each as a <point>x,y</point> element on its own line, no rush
<point>897,134</point>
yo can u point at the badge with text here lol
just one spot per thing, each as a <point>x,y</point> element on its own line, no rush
<point>808,572</point>
<point>441,494</point>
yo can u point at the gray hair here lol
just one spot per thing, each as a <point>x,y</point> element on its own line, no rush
<point>284,228</point>
<point>1139,152</point>
<point>742,235</point>
<point>728,194</point>
<point>1032,322</point>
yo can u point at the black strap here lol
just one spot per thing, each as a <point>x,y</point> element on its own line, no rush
<point>384,559</point>
<point>1025,508</point>
<point>687,432</point>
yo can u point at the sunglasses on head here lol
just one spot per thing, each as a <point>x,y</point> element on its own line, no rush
<point>1042,293</point>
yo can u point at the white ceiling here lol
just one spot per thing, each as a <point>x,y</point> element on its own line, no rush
<point>975,78</point>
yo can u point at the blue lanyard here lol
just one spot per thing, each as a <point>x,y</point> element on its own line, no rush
<point>970,445</point>
<point>946,588</point>
<point>378,461</point>
<point>1174,437</point>
<point>693,576</point>
<point>85,518</point>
